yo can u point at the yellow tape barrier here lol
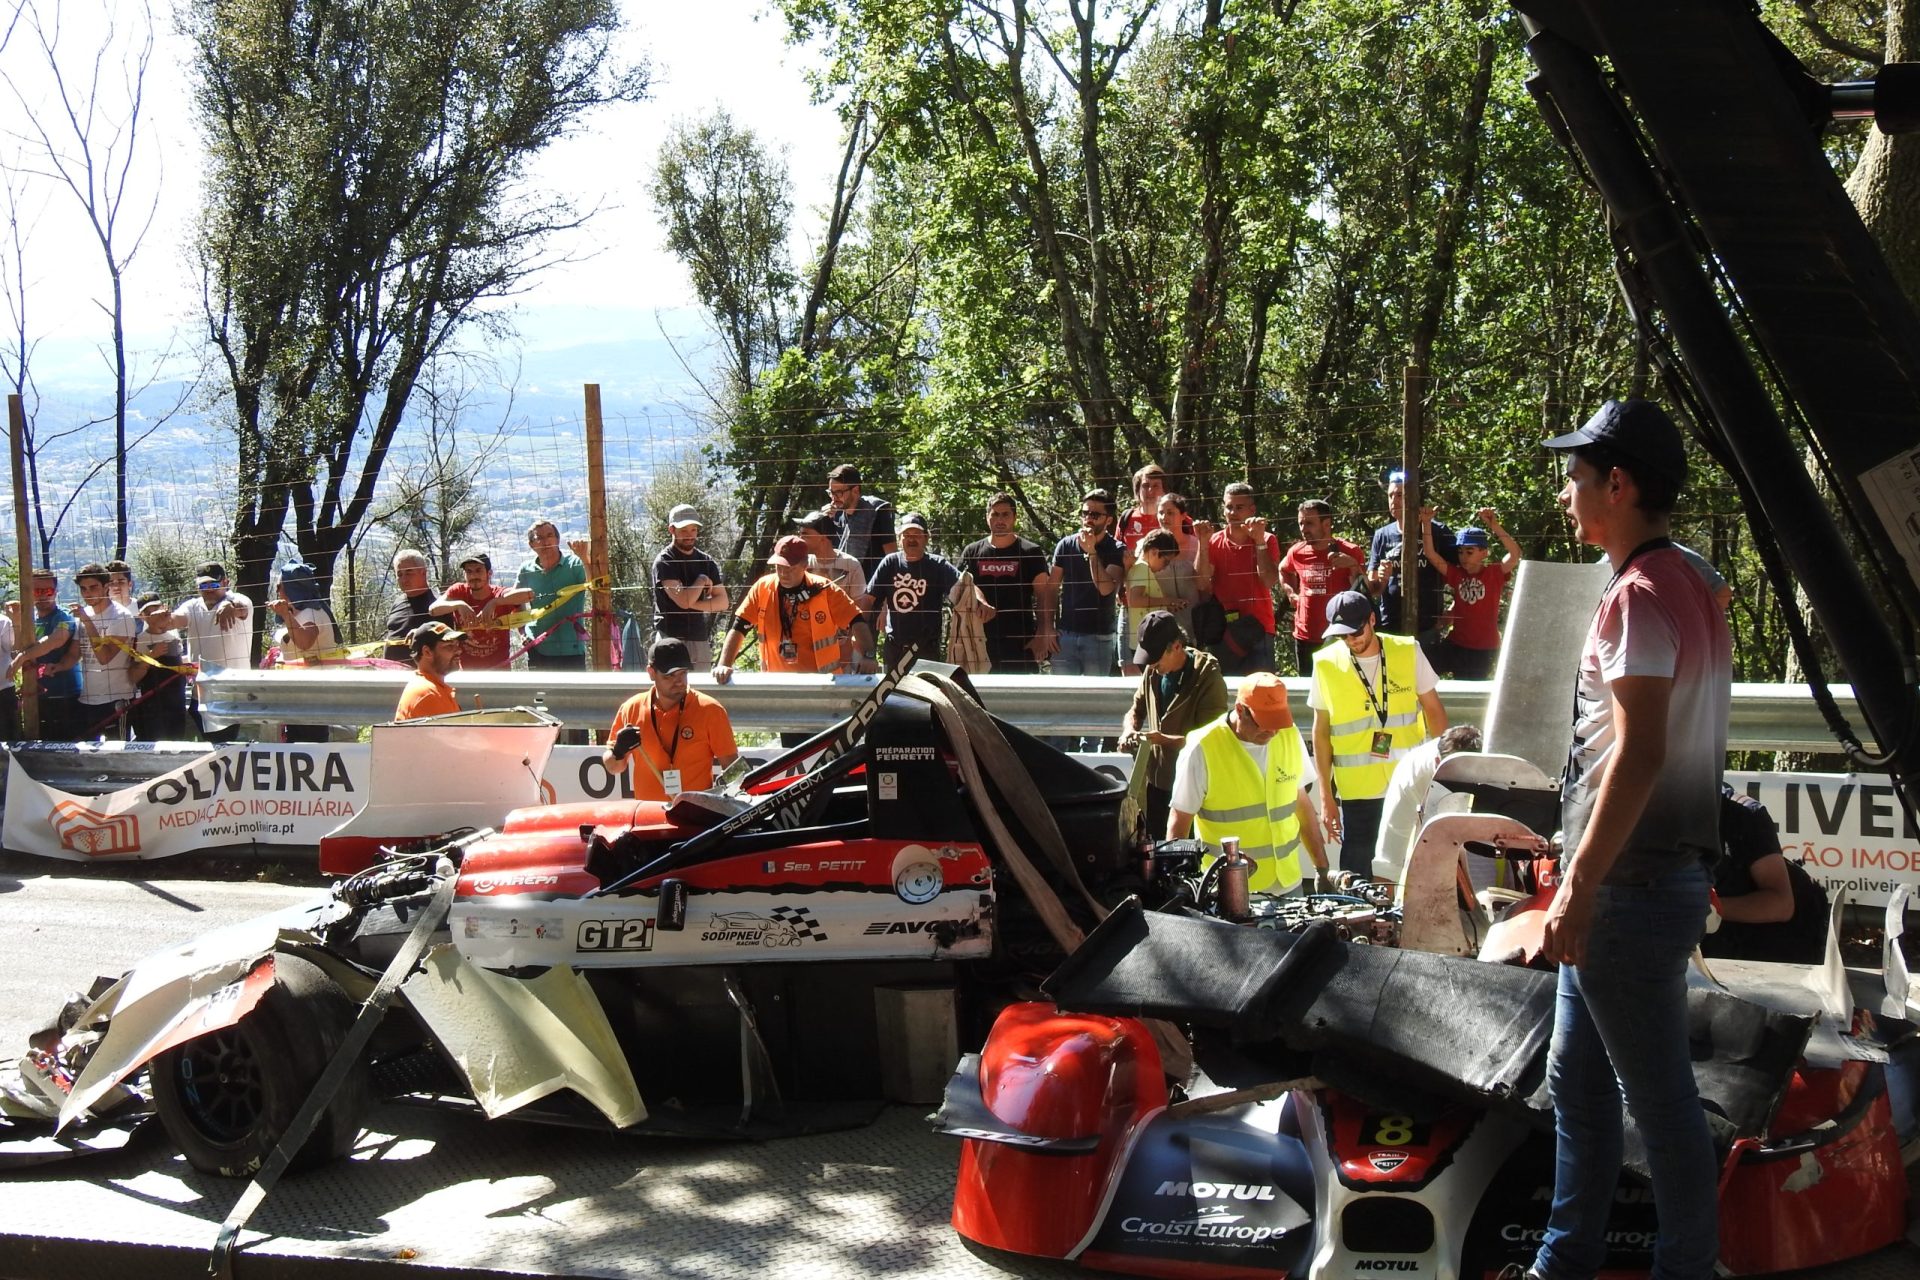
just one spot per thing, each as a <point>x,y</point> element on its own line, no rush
<point>521,618</point>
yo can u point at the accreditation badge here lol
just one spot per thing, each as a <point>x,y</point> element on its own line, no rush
<point>1382,744</point>
<point>670,780</point>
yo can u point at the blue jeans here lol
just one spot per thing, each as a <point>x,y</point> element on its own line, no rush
<point>1621,1028</point>
<point>1082,653</point>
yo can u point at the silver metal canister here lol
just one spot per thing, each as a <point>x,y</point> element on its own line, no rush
<point>1236,903</point>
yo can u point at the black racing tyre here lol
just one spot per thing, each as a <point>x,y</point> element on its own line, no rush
<point>227,1096</point>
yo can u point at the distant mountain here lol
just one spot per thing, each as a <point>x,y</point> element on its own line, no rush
<point>180,480</point>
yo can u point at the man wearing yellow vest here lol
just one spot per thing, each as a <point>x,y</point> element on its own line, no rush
<point>1373,700</point>
<point>1246,775</point>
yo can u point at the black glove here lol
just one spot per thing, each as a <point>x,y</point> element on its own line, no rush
<point>626,740</point>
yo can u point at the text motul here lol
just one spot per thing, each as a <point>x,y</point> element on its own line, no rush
<point>1217,1190</point>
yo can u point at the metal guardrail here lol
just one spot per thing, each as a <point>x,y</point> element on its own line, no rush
<point>1766,717</point>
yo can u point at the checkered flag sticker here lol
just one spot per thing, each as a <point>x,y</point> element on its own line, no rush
<point>801,921</point>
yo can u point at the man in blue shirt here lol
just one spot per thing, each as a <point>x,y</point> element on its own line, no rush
<point>912,585</point>
<point>1077,606</point>
<point>56,658</point>
<point>557,640</point>
<point>1386,574</point>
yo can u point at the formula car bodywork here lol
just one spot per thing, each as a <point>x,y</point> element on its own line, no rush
<point>1355,1110</point>
<point>706,967</point>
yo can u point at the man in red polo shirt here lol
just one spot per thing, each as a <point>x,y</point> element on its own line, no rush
<point>477,604</point>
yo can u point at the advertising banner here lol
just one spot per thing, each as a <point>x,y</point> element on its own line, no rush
<point>246,793</point>
<point>1848,830</point>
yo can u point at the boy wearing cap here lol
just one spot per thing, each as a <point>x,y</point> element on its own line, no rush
<point>476,606</point>
<point>436,649</point>
<point>677,734</point>
<point>1373,700</point>
<point>801,618</point>
<point>1246,775</point>
<point>1180,689</point>
<point>911,586</point>
<point>1640,813</point>
<point>1475,584</point>
<point>687,590</point>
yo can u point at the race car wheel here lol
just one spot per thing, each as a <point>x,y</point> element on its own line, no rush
<point>227,1096</point>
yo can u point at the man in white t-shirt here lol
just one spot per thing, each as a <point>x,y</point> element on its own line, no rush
<point>1374,699</point>
<point>106,655</point>
<point>1246,776</point>
<point>824,558</point>
<point>219,628</point>
<point>9,696</point>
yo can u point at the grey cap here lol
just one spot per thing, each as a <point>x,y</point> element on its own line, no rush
<point>682,515</point>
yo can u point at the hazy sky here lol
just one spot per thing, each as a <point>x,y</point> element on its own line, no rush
<point>722,52</point>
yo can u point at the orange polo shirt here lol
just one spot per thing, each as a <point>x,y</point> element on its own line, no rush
<point>689,738</point>
<point>424,696</point>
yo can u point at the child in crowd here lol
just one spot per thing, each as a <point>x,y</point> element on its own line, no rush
<point>1475,584</point>
<point>1159,579</point>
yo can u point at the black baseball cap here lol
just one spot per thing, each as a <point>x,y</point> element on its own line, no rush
<point>1638,429</point>
<point>432,633</point>
<point>1348,614</point>
<point>667,655</point>
<point>1158,631</point>
<point>818,521</point>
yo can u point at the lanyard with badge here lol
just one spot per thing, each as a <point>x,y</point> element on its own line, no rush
<point>669,778</point>
<point>1382,748</point>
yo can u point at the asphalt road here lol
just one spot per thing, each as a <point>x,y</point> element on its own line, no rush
<point>61,927</point>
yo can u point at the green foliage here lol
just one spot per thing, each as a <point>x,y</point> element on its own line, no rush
<point>365,188</point>
<point>164,560</point>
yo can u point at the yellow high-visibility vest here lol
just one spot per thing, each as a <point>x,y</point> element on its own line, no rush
<point>1359,774</point>
<point>1259,810</point>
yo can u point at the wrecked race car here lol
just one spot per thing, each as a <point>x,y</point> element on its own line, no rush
<point>1353,1109</point>
<point>737,962</point>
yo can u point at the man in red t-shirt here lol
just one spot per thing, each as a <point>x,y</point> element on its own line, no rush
<point>476,607</point>
<point>1475,584</point>
<point>1241,565</point>
<point>1317,568</point>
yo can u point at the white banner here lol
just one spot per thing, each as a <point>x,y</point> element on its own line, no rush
<point>247,793</point>
<point>1848,830</point>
